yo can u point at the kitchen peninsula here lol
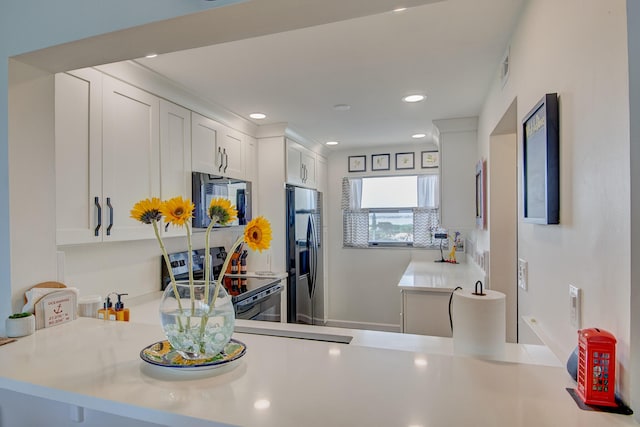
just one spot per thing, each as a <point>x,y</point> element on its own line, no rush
<point>94,364</point>
<point>425,289</point>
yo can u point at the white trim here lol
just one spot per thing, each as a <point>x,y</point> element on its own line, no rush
<point>386,327</point>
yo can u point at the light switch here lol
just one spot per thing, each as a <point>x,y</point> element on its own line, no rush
<point>522,274</point>
<point>575,301</point>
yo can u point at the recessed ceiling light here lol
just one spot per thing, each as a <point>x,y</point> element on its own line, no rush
<point>414,98</point>
<point>342,107</point>
<point>151,55</point>
<point>258,116</point>
<point>418,135</point>
<point>399,9</point>
<point>332,142</point>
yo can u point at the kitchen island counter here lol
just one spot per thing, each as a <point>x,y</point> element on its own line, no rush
<point>439,276</point>
<point>284,382</point>
<point>425,289</point>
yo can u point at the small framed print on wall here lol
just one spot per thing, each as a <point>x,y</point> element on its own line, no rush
<point>430,159</point>
<point>380,162</point>
<point>405,161</point>
<point>357,163</point>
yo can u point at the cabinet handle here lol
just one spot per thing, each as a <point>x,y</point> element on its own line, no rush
<point>110,216</point>
<point>304,178</point>
<point>226,159</point>
<point>96,201</point>
<point>219,159</point>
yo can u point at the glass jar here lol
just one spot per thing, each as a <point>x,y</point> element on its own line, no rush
<point>197,322</point>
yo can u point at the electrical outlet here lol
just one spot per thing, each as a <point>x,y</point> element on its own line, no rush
<point>575,303</point>
<point>523,271</point>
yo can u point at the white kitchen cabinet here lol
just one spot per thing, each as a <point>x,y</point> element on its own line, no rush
<point>131,157</point>
<point>78,157</point>
<point>301,165</point>
<point>322,171</point>
<point>426,313</point>
<point>215,148</point>
<point>175,155</point>
<point>107,157</point>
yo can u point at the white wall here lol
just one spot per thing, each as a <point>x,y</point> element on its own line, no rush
<point>577,48</point>
<point>633,26</point>
<point>363,283</point>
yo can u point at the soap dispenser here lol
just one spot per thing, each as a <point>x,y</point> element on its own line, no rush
<point>107,312</point>
<point>122,314</point>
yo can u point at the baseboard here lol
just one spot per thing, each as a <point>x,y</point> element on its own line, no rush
<point>385,327</point>
<point>542,335</point>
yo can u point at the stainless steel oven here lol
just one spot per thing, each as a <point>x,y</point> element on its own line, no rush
<point>253,298</point>
<point>264,304</point>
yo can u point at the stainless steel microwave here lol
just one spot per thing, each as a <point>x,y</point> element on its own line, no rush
<point>205,187</point>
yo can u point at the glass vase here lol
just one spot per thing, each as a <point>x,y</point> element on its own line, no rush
<point>197,323</point>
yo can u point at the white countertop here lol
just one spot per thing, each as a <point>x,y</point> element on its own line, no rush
<point>95,364</point>
<point>440,276</point>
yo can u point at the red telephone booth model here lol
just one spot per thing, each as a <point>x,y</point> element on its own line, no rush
<point>596,367</point>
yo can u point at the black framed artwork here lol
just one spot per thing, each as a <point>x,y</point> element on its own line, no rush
<point>380,162</point>
<point>405,161</point>
<point>430,159</point>
<point>357,163</point>
<point>541,163</point>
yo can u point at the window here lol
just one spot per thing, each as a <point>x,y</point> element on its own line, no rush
<point>390,211</point>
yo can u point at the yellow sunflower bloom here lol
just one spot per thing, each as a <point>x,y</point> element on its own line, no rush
<point>177,211</point>
<point>222,209</point>
<point>147,210</point>
<point>257,234</point>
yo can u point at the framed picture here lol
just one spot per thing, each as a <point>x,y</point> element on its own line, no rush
<point>430,159</point>
<point>405,161</point>
<point>380,162</point>
<point>357,163</point>
<point>481,194</point>
<point>541,163</point>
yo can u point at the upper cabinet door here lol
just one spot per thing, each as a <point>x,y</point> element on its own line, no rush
<point>301,165</point>
<point>204,136</point>
<point>175,155</point>
<point>78,156</point>
<point>309,168</point>
<point>231,143</point>
<point>131,157</point>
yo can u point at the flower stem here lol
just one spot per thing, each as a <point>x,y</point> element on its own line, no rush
<point>207,259</point>
<point>207,275</point>
<point>168,263</point>
<point>191,286</point>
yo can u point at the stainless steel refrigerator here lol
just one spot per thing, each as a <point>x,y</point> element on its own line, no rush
<point>305,289</point>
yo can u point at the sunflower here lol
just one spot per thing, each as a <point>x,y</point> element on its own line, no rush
<point>147,210</point>
<point>222,209</point>
<point>257,234</point>
<point>177,211</point>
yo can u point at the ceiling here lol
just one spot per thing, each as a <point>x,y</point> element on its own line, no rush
<point>448,50</point>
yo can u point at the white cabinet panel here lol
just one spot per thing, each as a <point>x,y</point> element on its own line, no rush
<point>426,313</point>
<point>78,156</point>
<point>131,157</point>
<point>301,165</point>
<point>215,148</point>
<point>231,143</point>
<point>107,157</point>
<point>175,155</point>
<point>204,133</point>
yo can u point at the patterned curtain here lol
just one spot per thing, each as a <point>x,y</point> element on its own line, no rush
<point>425,224</point>
<point>355,221</point>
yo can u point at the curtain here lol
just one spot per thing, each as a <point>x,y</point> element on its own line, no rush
<point>428,191</point>
<point>355,230</point>
<point>355,221</point>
